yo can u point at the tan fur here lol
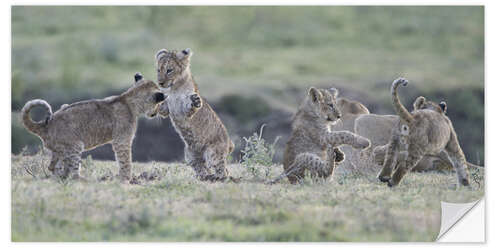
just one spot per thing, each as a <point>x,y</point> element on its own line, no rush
<point>207,143</point>
<point>378,129</point>
<point>350,110</point>
<point>312,145</point>
<point>88,124</point>
<point>430,132</point>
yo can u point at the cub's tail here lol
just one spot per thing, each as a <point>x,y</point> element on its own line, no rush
<point>35,127</point>
<point>400,109</point>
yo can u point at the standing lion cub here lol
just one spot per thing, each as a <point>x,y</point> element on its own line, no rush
<point>85,125</point>
<point>421,132</point>
<point>207,143</point>
<point>313,145</point>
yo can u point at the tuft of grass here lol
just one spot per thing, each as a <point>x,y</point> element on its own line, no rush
<point>257,155</point>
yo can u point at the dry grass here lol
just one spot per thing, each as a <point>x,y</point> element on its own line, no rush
<point>177,207</point>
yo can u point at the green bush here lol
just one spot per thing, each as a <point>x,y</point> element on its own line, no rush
<point>257,155</point>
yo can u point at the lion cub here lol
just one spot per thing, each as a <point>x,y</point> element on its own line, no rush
<point>84,125</point>
<point>422,132</point>
<point>313,146</point>
<point>207,143</point>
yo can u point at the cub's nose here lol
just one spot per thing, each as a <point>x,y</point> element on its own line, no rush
<point>137,77</point>
<point>159,97</point>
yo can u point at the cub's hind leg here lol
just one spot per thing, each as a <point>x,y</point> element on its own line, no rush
<point>309,161</point>
<point>71,161</point>
<point>198,164</point>
<point>54,160</point>
<point>457,157</point>
<point>217,161</point>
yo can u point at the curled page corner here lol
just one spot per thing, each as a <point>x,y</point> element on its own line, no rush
<point>451,213</point>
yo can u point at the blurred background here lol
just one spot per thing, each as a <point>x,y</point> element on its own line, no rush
<point>253,64</point>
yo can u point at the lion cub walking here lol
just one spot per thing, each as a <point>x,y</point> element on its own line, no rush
<point>313,146</point>
<point>421,132</point>
<point>207,143</point>
<point>84,125</point>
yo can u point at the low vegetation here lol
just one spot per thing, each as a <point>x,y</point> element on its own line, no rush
<point>174,206</point>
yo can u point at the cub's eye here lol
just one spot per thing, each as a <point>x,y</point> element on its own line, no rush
<point>330,105</point>
<point>169,71</point>
<point>158,70</point>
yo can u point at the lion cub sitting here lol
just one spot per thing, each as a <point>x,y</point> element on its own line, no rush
<point>84,125</point>
<point>313,146</point>
<point>207,143</point>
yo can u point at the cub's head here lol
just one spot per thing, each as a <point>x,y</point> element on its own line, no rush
<point>322,104</point>
<point>422,103</point>
<point>145,96</point>
<point>172,65</point>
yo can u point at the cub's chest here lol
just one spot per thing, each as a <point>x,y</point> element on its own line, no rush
<point>178,103</point>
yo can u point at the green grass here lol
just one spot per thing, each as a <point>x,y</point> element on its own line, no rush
<point>177,207</point>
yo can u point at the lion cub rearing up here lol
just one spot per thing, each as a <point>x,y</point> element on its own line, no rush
<point>84,125</point>
<point>206,139</point>
<point>312,145</point>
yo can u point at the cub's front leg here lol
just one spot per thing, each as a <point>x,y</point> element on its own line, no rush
<point>123,156</point>
<point>339,138</point>
<point>194,105</point>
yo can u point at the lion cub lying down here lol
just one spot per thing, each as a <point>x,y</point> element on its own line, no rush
<point>84,125</point>
<point>312,145</point>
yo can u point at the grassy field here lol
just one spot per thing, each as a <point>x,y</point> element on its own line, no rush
<point>177,207</point>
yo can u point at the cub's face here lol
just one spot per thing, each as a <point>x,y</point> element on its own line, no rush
<point>147,96</point>
<point>422,103</point>
<point>171,65</point>
<point>323,103</point>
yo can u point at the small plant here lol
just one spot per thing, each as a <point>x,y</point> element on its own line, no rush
<point>35,165</point>
<point>477,175</point>
<point>257,155</point>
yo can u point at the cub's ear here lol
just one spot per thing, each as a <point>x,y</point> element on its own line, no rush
<point>419,102</point>
<point>443,106</point>
<point>160,53</point>
<point>184,54</point>
<point>334,92</point>
<point>315,94</point>
<point>138,76</point>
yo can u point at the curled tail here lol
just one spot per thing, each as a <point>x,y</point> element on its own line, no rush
<point>400,109</point>
<point>35,127</point>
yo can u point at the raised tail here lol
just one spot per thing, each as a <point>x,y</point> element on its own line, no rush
<point>35,127</point>
<point>400,109</point>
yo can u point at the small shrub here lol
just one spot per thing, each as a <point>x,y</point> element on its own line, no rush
<point>477,176</point>
<point>257,155</point>
<point>36,165</point>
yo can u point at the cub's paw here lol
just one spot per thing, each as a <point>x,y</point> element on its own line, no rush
<point>195,101</point>
<point>384,178</point>
<point>464,182</point>
<point>400,81</point>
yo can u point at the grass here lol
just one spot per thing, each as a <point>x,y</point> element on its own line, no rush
<point>177,207</point>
